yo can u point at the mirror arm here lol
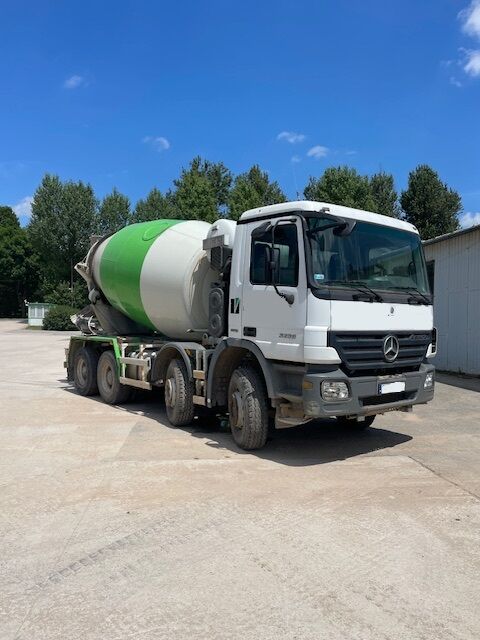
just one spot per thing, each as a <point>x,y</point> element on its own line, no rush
<point>289,297</point>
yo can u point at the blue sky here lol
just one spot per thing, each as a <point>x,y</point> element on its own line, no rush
<point>125,93</point>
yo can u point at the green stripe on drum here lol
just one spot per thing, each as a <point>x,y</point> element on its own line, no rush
<point>121,266</point>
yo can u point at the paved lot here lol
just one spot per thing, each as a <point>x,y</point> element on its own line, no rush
<point>115,525</point>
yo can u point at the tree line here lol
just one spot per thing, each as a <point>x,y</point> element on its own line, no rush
<point>38,261</point>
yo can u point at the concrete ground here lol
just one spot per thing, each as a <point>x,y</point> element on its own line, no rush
<point>115,525</point>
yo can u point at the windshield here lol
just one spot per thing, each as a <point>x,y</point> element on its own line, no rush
<point>382,258</point>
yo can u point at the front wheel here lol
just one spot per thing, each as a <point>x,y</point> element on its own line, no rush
<point>354,424</point>
<point>248,408</point>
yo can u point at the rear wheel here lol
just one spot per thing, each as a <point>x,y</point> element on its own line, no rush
<point>248,408</point>
<point>85,371</point>
<point>178,394</point>
<point>354,424</point>
<point>109,385</point>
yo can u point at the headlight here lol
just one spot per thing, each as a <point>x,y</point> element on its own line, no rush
<point>428,380</point>
<point>332,391</point>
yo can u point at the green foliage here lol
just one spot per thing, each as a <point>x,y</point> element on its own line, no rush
<point>58,319</point>
<point>63,294</point>
<point>202,191</point>
<point>63,219</point>
<point>430,204</point>
<point>384,195</point>
<point>194,198</point>
<point>114,213</point>
<point>8,218</point>
<point>18,265</point>
<point>253,189</point>
<point>343,186</point>
<point>155,207</point>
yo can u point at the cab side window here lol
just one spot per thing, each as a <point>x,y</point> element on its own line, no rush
<point>285,251</point>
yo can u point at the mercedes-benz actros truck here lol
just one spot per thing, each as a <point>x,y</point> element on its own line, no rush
<point>298,311</point>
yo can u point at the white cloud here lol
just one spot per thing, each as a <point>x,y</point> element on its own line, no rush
<point>158,142</point>
<point>470,18</point>
<point>455,82</point>
<point>73,82</point>
<point>291,136</point>
<point>470,219</point>
<point>472,65</point>
<point>317,152</point>
<point>23,209</point>
<point>295,159</point>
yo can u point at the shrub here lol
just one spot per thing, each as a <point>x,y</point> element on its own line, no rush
<point>58,319</point>
<point>63,294</point>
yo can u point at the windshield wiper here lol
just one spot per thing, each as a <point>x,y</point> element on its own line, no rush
<point>413,291</point>
<point>360,286</point>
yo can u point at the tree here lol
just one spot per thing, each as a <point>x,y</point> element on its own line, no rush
<point>384,195</point>
<point>64,294</point>
<point>114,212</point>
<point>8,218</point>
<point>18,265</point>
<point>154,207</point>
<point>63,220</point>
<point>201,192</point>
<point>343,186</point>
<point>194,198</point>
<point>253,189</point>
<point>430,204</point>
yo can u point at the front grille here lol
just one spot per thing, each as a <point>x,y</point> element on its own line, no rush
<point>362,352</point>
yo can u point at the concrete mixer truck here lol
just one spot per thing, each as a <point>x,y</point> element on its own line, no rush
<point>298,311</point>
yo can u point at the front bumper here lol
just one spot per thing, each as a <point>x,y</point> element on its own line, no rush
<point>364,397</point>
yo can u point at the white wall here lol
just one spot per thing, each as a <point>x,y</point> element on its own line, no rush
<point>457,301</point>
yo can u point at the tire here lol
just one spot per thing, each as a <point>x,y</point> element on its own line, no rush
<point>248,408</point>
<point>109,387</point>
<point>85,371</point>
<point>178,394</point>
<point>356,425</point>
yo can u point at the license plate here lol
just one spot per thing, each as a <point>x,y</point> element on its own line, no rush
<point>391,387</point>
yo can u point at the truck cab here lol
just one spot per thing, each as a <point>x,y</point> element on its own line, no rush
<point>336,302</point>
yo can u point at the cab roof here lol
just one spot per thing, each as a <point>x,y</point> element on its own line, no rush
<point>333,209</point>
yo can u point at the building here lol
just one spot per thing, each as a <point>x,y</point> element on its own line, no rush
<point>453,262</point>
<point>37,312</point>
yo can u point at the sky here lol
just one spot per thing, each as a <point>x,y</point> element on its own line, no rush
<point>125,93</point>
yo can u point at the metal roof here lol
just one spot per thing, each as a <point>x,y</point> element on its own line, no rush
<point>453,234</point>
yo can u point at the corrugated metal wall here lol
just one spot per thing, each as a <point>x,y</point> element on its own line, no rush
<point>457,301</point>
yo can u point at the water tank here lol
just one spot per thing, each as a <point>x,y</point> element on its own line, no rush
<point>157,274</point>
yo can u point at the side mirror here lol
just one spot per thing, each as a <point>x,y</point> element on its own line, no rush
<point>345,228</point>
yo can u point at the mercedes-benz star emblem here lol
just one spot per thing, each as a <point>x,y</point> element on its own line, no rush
<point>391,347</point>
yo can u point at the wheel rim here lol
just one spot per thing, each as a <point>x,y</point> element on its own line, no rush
<point>109,379</point>
<point>236,410</point>
<point>170,392</point>
<point>82,371</point>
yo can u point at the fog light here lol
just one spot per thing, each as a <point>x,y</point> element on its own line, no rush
<point>428,380</point>
<point>332,391</point>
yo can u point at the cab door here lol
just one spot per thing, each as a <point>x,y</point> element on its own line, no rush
<point>268,319</point>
